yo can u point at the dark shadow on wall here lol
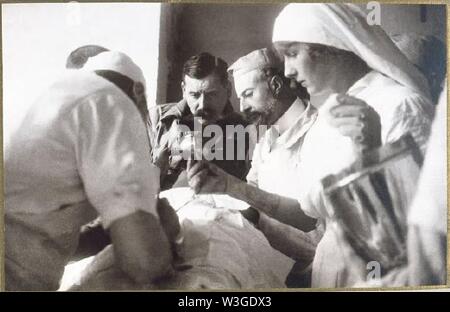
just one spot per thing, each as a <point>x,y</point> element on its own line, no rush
<point>227,31</point>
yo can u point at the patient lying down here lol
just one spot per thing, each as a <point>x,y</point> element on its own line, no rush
<point>216,248</point>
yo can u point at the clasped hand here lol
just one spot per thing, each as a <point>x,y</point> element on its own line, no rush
<point>205,177</point>
<point>354,118</point>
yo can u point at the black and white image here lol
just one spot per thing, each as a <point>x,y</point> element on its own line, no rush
<point>154,146</point>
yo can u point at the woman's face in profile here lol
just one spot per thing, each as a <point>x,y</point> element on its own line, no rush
<point>312,72</point>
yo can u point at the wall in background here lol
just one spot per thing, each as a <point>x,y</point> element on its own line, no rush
<point>227,31</point>
<point>37,38</point>
<point>401,18</point>
<point>231,31</point>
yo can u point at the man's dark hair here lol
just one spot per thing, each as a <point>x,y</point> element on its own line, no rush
<point>78,57</point>
<point>128,86</point>
<point>201,65</point>
<point>278,70</point>
<point>298,89</point>
<point>123,82</point>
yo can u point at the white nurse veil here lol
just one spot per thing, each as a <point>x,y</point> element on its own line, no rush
<point>345,27</point>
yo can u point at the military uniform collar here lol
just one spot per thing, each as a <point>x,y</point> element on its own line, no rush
<point>181,110</point>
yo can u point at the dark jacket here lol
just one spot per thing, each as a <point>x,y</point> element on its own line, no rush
<point>164,121</point>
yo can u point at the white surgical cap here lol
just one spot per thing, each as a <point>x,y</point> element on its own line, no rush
<point>116,61</point>
<point>258,59</point>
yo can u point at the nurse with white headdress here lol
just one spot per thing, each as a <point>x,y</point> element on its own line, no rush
<point>374,96</point>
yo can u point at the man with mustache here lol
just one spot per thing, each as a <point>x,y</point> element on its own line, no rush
<point>267,98</point>
<point>206,92</point>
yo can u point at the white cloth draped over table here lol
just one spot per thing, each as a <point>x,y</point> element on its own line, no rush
<point>220,250</point>
<point>394,88</point>
<point>216,235</point>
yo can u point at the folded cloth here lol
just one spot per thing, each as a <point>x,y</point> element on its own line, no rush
<point>216,234</point>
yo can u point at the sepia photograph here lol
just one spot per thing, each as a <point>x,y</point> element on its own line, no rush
<point>224,146</point>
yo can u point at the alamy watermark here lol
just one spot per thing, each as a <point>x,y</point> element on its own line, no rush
<point>374,14</point>
<point>214,142</point>
<point>373,271</point>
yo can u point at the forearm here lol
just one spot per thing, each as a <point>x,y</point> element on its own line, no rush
<point>141,247</point>
<point>283,209</point>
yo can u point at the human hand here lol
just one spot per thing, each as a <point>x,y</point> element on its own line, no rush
<point>205,177</point>
<point>169,219</point>
<point>161,158</point>
<point>355,119</point>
